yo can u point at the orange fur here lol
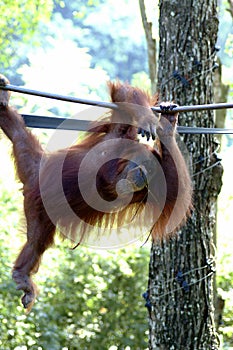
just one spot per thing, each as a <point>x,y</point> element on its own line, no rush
<point>125,163</point>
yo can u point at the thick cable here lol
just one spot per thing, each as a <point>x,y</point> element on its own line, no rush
<point>36,121</point>
<point>58,96</point>
<point>109,104</point>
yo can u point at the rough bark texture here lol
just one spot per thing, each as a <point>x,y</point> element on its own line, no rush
<point>181,271</point>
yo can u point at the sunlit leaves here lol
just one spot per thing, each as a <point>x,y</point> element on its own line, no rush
<point>18,21</point>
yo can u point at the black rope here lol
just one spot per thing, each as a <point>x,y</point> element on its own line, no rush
<point>36,121</point>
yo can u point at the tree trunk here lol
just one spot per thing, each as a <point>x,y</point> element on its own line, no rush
<point>181,270</point>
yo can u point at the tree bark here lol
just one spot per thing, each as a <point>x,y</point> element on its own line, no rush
<point>181,270</point>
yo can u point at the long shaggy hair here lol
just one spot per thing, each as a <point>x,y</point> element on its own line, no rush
<point>107,184</point>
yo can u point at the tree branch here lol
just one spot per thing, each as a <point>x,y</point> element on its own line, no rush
<point>151,46</point>
<point>230,2</point>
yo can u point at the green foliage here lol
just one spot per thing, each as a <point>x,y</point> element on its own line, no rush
<point>141,80</point>
<point>19,19</point>
<point>224,252</point>
<point>225,35</point>
<point>88,300</point>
